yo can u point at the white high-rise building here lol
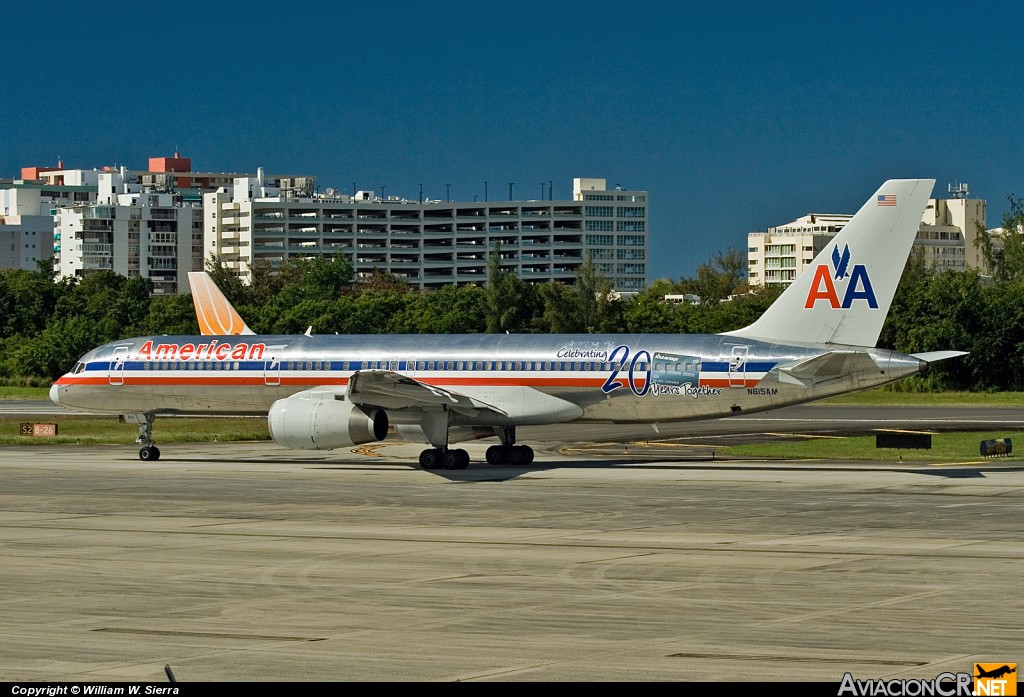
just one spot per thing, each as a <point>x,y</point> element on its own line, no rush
<point>27,209</point>
<point>779,255</point>
<point>140,223</point>
<point>133,233</point>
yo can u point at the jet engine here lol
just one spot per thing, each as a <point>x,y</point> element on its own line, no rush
<point>316,420</point>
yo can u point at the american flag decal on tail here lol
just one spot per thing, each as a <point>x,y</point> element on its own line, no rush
<point>886,199</point>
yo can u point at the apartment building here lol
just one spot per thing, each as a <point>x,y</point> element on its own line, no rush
<point>27,209</point>
<point>132,232</point>
<point>140,222</point>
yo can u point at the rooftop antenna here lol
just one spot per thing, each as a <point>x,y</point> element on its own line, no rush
<point>958,191</point>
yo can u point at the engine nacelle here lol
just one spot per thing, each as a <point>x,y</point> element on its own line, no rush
<point>319,420</point>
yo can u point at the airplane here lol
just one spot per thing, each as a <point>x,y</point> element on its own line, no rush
<point>333,391</point>
<point>996,672</point>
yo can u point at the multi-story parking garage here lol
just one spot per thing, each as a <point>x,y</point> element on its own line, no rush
<point>435,243</point>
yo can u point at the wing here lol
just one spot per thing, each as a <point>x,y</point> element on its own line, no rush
<point>390,390</point>
<point>477,404</point>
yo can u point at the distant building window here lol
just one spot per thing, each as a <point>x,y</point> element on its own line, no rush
<point>631,226</point>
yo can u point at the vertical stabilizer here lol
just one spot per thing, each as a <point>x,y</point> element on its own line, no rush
<point>215,314</point>
<point>844,296</point>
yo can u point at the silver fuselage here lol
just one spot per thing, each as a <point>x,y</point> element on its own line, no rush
<point>619,378</point>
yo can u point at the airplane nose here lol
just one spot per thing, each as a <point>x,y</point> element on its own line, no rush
<point>54,394</point>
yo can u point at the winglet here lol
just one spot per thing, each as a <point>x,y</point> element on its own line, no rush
<point>845,293</point>
<point>215,314</point>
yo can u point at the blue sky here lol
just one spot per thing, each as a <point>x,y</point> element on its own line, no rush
<point>734,117</point>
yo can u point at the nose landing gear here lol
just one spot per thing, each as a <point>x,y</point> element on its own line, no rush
<point>148,452</point>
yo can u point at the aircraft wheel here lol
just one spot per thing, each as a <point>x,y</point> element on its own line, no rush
<point>149,453</point>
<point>520,455</point>
<point>525,454</point>
<point>431,459</point>
<point>456,459</point>
<point>497,455</point>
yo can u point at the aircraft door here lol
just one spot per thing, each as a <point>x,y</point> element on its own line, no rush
<point>738,366</point>
<point>272,365</point>
<point>115,373</point>
<point>410,367</point>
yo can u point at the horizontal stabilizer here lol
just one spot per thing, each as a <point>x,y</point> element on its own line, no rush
<point>827,366</point>
<point>932,356</point>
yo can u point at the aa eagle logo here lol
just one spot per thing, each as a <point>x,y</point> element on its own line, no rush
<point>840,263</point>
<point>858,287</point>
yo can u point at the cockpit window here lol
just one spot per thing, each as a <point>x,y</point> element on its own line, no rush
<point>79,367</point>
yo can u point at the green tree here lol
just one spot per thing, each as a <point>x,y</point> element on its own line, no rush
<point>28,299</point>
<point>723,275</point>
<point>447,310</point>
<point>591,289</point>
<point>1005,260</point>
<point>561,309</point>
<point>511,302</point>
<point>230,284</point>
<point>648,312</point>
<point>170,314</point>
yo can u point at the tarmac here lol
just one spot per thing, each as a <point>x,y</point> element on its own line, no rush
<point>248,562</point>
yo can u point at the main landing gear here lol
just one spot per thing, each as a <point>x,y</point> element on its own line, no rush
<point>148,452</point>
<point>436,458</point>
<point>508,453</point>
